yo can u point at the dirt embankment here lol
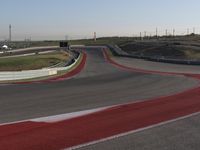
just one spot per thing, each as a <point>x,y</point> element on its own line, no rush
<point>180,50</point>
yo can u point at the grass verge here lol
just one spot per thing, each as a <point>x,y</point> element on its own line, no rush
<point>32,62</point>
<point>60,73</point>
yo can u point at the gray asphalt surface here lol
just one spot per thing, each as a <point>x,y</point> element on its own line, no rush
<point>179,135</point>
<point>157,66</point>
<point>99,84</point>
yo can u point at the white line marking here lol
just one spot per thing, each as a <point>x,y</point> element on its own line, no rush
<point>131,132</point>
<point>61,117</point>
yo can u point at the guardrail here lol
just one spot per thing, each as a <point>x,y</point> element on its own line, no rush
<point>119,52</point>
<point>31,74</point>
<point>22,75</point>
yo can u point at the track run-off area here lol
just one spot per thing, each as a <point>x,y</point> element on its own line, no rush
<point>103,99</point>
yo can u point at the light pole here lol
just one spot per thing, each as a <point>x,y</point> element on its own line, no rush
<point>10,33</point>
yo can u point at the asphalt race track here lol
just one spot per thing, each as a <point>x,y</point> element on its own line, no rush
<point>101,84</point>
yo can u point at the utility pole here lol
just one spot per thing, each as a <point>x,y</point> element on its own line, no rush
<point>66,37</point>
<point>141,36</point>
<point>188,31</point>
<point>10,33</point>
<point>173,32</point>
<point>194,30</point>
<point>166,32</point>
<point>145,34</point>
<point>95,36</point>
<point>156,32</point>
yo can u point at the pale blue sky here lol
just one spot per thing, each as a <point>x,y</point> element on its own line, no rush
<point>53,19</point>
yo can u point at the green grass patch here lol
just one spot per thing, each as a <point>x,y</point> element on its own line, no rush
<point>60,73</point>
<point>32,62</point>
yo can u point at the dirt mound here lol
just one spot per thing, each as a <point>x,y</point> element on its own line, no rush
<point>162,49</point>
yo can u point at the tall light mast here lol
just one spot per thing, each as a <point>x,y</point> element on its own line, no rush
<point>95,36</point>
<point>10,33</point>
<point>156,32</point>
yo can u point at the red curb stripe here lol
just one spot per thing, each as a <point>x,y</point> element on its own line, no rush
<point>99,125</point>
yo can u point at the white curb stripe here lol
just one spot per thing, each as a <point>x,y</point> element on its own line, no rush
<point>61,117</point>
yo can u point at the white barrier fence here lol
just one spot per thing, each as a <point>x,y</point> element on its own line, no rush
<point>19,75</point>
<point>31,74</point>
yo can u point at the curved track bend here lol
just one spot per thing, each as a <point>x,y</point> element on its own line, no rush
<point>100,84</point>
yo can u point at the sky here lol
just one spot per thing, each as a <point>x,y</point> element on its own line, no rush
<point>56,19</point>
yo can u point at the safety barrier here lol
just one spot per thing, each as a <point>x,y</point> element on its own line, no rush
<point>119,52</point>
<point>31,74</point>
<point>22,75</point>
